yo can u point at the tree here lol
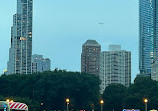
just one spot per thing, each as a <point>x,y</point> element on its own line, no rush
<point>52,88</point>
<point>114,96</point>
<point>143,87</point>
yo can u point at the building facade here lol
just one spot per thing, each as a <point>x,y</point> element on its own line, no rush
<point>115,67</point>
<point>40,64</point>
<point>148,35</point>
<point>90,57</point>
<point>20,53</point>
<point>34,67</point>
<point>154,71</point>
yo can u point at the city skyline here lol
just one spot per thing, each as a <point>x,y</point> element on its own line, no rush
<point>78,25</point>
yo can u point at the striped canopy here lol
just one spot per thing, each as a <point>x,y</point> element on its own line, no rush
<point>18,106</point>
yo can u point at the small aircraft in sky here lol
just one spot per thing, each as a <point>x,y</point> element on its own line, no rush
<point>101,23</point>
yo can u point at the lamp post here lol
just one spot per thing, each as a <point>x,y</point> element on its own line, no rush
<point>101,104</point>
<point>67,103</point>
<point>42,106</point>
<point>145,101</point>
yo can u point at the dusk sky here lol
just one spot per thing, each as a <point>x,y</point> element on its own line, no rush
<point>60,27</point>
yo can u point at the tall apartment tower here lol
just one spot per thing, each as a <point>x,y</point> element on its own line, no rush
<point>115,67</point>
<point>90,57</point>
<point>20,53</point>
<point>148,35</point>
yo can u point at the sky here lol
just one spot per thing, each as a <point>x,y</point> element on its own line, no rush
<point>60,27</point>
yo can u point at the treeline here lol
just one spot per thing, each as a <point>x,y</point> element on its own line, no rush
<point>118,97</point>
<point>51,89</point>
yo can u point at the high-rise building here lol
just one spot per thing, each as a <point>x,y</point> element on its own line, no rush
<point>20,53</point>
<point>154,71</point>
<point>40,64</point>
<point>115,67</point>
<point>90,57</point>
<point>148,35</point>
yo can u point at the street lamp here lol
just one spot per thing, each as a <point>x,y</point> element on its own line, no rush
<point>101,104</point>
<point>42,106</point>
<point>67,102</point>
<point>145,101</point>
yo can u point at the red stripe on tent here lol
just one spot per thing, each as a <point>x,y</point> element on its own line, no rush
<point>23,106</point>
<point>12,105</point>
<point>20,105</point>
<point>16,105</point>
<point>26,107</point>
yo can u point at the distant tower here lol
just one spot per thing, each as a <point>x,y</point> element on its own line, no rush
<point>90,57</point>
<point>40,64</point>
<point>148,35</point>
<point>20,53</point>
<point>115,67</point>
<point>154,71</point>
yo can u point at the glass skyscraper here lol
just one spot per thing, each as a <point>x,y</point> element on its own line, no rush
<point>148,35</point>
<point>20,53</point>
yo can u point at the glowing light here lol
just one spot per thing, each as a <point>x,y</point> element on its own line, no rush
<point>145,100</point>
<point>8,100</point>
<point>11,101</point>
<point>67,100</point>
<point>101,102</point>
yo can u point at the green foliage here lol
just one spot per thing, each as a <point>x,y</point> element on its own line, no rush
<point>52,88</point>
<point>143,87</point>
<point>114,96</point>
<point>118,97</point>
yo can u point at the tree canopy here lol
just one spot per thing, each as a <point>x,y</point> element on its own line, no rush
<point>52,88</point>
<point>119,97</point>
